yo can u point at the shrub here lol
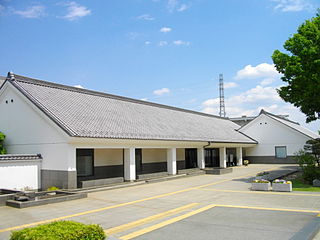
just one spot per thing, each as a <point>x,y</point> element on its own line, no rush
<point>2,149</point>
<point>60,231</point>
<point>282,181</point>
<point>53,188</point>
<point>309,165</point>
<point>260,181</point>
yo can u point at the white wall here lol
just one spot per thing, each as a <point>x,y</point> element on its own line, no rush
<point>270,133</point>
<point>154,155</point>
<point>181,154</point>
<point>29,131</point>
<point>108,157</point>
<point>20,174</point>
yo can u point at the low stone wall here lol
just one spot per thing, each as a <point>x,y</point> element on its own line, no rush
<point>270,159</point>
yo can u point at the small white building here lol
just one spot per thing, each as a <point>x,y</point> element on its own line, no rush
<point>278,138</point>
<point>84,135</point>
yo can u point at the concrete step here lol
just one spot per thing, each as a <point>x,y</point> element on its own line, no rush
<point>171,177</point>
<point>151,175</point>
<point>100,182</point>
<point>218,171</point>
<point>191,171</point>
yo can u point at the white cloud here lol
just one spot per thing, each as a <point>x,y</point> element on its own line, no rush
<point>36,11</point>
<point>180,42</point>
<point>147,42</point>
<point>76,11</point>
<point>161,91</point>
<point>165,29</point>
<point>2,9</point>
<point>172,5</point>
<point>245,103</point>
<point>78,86</point>
<point>211,102</point>
<point>163,43</point>
<point>267,81</point>
<point>182,8</point>
<point>230,85</point>
<point>146,17</point>
<point>293,5</point>
<point>263,70</point>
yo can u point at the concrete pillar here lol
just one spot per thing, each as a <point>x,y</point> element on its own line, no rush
<point>172,161</point>
<point>201,163</point>
<point>129,164</point>
<point>239,156</point>
<point>223,157</point>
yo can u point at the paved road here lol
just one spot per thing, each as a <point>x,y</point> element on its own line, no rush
<point>199,207</point>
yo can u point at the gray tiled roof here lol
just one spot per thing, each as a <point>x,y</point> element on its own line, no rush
<point>7,157</point>
<point>85,113</point>
<point>2,79</point>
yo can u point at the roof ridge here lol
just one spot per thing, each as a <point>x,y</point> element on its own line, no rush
<point>103,94</point>
<point>274,115</point>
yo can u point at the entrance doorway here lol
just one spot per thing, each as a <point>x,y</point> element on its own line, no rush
<point>212,157</point>
<point>138,160</point>
<point>191,158</point>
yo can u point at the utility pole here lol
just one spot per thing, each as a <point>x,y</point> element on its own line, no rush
<point>222,112</point>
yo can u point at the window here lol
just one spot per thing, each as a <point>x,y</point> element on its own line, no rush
<point>84,162</point>
<point>281,152</point>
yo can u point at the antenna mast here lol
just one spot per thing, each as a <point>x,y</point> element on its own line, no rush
<point>222,112</point>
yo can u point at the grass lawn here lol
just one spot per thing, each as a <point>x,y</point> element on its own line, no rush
<point>299,185</point>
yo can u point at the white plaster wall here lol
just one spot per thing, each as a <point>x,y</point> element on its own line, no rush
<point>154,155</point>
<point>181,154</point>
<point>271,133</point>
<point>108,157</point>
<point>20,174</point>
<point>28,130</point>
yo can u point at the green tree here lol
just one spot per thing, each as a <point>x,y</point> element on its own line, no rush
<point>2,149</point>
<point>313,147</point>
<point>309,160</point>
<point>301,68</point>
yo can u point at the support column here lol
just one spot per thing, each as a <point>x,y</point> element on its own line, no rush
<point>172,161</point>
<point>223,157</point>
<point>129,164</point>
<point>201,163</point>
<point>239,156</point>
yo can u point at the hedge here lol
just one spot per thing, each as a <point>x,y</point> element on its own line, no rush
<point>61,230</point>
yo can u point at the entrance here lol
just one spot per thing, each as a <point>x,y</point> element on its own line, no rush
<point>191,158</point>
<point>138,160</point>
<point>212,157</point>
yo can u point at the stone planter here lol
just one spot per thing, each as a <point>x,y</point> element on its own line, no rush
<point>282,187</point>
<point>260,186</point>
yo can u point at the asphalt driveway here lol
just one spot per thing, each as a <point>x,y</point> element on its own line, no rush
<point>199,207</point>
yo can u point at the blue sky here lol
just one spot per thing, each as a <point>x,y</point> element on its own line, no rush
<point>164,51</point>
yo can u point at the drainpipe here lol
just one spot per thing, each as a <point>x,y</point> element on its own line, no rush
<point>209,143</point>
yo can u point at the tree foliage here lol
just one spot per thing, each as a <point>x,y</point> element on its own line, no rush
<point>2,149</point>
<point>301,68</point>
<point>313,147</point>
<point>309,160</point>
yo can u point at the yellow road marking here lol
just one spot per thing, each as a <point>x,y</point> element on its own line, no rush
<point>257,192</point>
<point>165,223</point>
<point>130,225</point>
<point>123,204</point>
<point>270,209</point>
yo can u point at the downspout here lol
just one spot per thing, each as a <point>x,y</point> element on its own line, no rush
<point>209,143</point>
